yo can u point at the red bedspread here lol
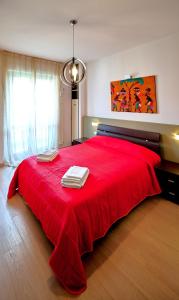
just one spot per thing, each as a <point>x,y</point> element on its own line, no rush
<point>121,175</point>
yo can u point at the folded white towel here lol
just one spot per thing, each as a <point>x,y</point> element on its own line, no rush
<point>47,156</point>
<point>67,179</point>
<point>48,153</point>
<point>76,172</point>
<point>74,182</point>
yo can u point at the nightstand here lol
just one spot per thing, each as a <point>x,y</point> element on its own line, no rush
<point>168,176</point>
<point>79,141</point>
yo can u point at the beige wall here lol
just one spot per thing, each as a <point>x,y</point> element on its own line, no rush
<point>66,115</point>
<point>1,114</point>
<point>82,105</point>
<point>169,145</point>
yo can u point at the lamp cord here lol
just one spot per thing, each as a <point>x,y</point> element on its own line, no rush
<point>73,40</point>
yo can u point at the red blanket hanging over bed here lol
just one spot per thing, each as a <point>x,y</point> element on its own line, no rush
<point>121,176</point>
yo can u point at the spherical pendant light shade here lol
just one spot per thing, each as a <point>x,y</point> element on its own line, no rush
<point>74,69</point>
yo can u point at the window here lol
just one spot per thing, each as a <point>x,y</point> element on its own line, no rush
<point>32,113</point>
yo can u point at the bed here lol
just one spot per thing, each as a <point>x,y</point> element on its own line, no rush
<point>121,176</point>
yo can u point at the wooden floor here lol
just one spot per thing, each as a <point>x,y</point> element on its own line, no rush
<point>137,260</point>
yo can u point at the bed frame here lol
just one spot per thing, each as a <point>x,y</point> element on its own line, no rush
<point>148,139</point>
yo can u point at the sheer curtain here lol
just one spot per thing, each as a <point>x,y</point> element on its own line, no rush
<point>31,106</point>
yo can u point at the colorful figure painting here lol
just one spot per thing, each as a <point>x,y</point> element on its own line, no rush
<point>134,95</point>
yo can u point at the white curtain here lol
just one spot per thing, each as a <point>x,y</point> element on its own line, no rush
<point>31,106</point>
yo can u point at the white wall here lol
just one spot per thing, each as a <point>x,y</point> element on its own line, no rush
<point>160,58</point>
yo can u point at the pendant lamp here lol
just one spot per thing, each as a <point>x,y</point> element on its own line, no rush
<point>74,69</point>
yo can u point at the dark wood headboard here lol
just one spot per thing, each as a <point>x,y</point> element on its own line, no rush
<point>148,139</point>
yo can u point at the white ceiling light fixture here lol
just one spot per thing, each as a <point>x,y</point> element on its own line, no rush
<point>74,69</point>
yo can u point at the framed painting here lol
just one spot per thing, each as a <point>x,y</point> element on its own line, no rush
<point>134,95</point>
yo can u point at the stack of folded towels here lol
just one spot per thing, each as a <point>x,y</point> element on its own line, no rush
<point>47,156</point>
<point>75,177</point>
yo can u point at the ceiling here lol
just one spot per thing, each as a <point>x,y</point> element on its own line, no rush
<point>41,27</point>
